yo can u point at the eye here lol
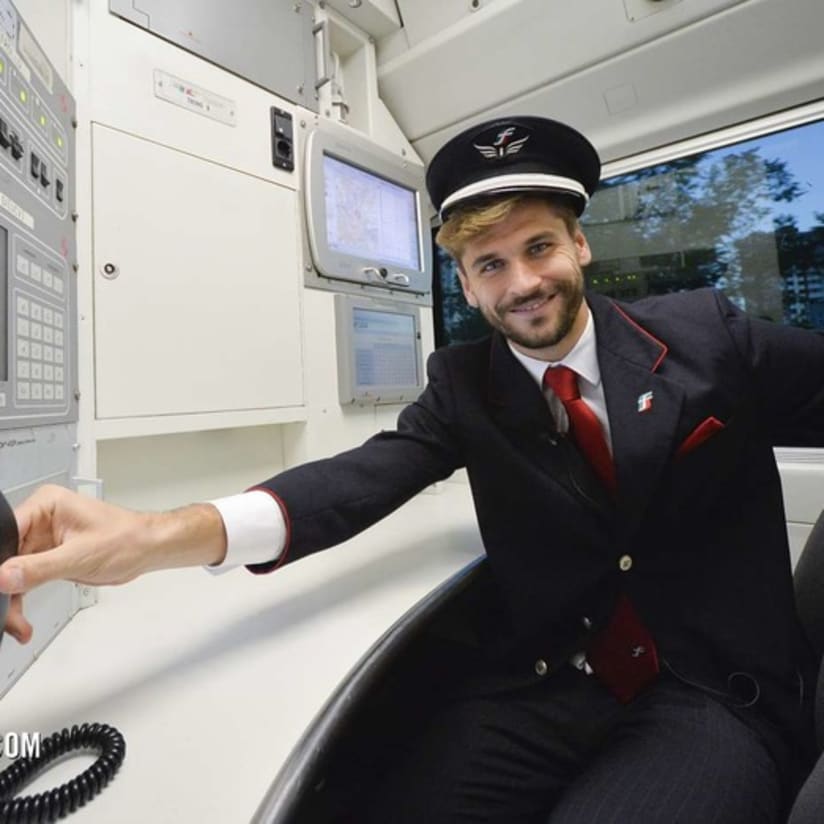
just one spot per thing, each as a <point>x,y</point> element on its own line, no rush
<point>491,266</point>
<point>538,248</point>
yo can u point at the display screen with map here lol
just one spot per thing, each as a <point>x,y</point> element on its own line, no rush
<point>369,216</point>
<point>365,215</point>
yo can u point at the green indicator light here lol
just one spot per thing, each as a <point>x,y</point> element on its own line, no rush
<point>42,120</point>
<point>2,66</point>
<point>23,96</point>
<point>60,141</point>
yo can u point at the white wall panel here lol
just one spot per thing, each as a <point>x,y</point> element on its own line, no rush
<point>204,313</point>
<point>803,483</point>
<point>165,471</point>
<point>121,62</point>
<point>798,534</point>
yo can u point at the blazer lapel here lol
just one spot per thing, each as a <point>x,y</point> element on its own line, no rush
<point>519,406</point>
<point>643,406</point>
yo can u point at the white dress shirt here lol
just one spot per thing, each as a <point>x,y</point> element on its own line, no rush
<point>582,359</point>
<point>255,528</point>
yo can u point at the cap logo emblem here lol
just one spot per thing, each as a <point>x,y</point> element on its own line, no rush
<point>504,145</point>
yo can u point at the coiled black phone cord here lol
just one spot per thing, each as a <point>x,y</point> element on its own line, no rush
<point>54,804</point>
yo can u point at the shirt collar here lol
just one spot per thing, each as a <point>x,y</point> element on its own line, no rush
<point>582,358</point>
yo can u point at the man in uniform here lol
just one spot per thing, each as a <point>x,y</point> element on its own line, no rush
<point>646,663</point>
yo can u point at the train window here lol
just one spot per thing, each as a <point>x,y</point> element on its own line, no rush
<point>745,216</point>
<point>455,320</point>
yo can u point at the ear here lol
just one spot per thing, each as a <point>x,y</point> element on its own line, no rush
<point>467,288</point>
<point>582,248</point>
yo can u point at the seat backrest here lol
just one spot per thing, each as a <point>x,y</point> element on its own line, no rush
<point>809,587</point>
<point>809,597</point>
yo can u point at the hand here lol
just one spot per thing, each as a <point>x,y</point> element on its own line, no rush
<point>67,536</point>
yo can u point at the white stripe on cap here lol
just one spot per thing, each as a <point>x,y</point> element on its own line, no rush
<point>519,182</point>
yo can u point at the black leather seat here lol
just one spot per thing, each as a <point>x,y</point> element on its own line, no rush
<point>809,592</point>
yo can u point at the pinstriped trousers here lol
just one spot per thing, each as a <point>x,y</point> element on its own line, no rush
<point>566,752</point>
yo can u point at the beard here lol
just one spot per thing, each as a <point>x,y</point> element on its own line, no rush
<point>540,332</point>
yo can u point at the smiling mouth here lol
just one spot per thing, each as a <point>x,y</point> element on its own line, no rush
<point>533,305</point>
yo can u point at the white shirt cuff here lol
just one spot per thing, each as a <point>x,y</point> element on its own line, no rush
<point>255,530</point>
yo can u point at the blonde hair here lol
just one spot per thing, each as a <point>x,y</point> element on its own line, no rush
<point>465,223</point>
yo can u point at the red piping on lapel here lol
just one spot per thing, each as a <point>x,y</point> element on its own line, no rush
<point>664,347</point>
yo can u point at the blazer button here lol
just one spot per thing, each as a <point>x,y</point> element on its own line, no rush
<point>541,667</point>
<point>625,563</point>
<point>587,622</point>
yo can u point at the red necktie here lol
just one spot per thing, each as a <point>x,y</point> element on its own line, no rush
<point>623,654</point>
<point>584,425</point>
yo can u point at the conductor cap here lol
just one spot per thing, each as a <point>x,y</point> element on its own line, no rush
<point>514,154</point>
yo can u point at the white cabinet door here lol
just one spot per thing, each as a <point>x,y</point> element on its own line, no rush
<point>199,310</point>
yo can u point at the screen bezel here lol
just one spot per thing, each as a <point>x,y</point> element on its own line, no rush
<point>349,392</point>
<point>356,151</point>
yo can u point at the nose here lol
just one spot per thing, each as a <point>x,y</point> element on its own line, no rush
<point>524,278</point>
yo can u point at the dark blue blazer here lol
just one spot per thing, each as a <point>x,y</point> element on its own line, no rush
<point>699,507</point>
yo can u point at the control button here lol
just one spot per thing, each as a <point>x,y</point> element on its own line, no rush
<point>58,320</point>
<point>37,391</point>
<point>48,392</point>
<point>2,399</point>
<point>23,348</point>
<point>48,316</point>
<point>625,563</point>
<point>22,327</point>
<point>58,285</point>
<point>23,390</point>
<point>5,140</point>
<point>48,372</point>
<point>37,371</point>
<point>44,175</point>
<point>58,190</point>
<point>48,334</point>
<point>22,306</point>
<point>58,374</point>
<point>22,264</point>
<point>58,337</point>
<point>36,272</point>
<point>48,279</point>
<point>36,311</point>
<point>37,351</point>
<point>35,166</point>
<point>16,146</point>
<point>36,331</point>
<point>58,356</point>
<point>48,353</point>
<point>541,667</point>
<point>58,392</point>
<point>22,369</point>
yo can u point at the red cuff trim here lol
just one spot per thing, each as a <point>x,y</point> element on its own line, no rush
<point>261,569</point>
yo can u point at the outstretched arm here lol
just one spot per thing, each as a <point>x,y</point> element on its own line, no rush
<point>64,535</point>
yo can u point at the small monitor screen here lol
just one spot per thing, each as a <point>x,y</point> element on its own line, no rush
<point>385,346</point>
<point>368,216</point>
